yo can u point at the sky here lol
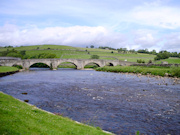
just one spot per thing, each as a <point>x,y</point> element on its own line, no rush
<point>131,24</point>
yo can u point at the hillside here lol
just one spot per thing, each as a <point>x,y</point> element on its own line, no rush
<point>67,52</point>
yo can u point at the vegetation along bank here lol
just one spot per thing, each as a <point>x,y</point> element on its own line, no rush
<point>153,70</point>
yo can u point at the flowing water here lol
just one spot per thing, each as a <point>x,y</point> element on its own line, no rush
<point>119,103</point>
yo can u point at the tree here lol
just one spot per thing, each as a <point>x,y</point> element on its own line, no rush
<point>23,52</point>
<point>92,46</point>
<point>153,52</point>
<point>94,57</point>
<point>122,50</point>
<point>162,55</point>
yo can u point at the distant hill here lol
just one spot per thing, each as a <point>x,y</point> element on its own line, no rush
<point>67,52</point>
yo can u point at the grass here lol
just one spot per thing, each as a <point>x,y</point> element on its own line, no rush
<point>4,69</point>
<point>20,118</point>
<point>170,60</point>
<point>68,52</point>
<point>161,71</point>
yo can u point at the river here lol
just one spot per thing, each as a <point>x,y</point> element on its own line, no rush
<point>119,103</point>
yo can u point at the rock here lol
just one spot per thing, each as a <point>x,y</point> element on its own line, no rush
<point>26,100</point>
<point>164,62</point>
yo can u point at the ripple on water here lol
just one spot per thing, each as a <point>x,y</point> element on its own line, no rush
<point>120,103</point>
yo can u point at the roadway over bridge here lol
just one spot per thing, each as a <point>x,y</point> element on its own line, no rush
<point>54,63</point>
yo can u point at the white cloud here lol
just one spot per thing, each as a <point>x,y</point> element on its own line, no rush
<point>172,42</point>
<point>146,38</point>
<point>156,14</point>
<point>75,36</point>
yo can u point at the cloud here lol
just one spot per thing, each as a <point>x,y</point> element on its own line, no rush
<point>146,38</point>
<point>132,24</point>
<point>156,14</point>
<point>172,42</point>
<point>75,36</point>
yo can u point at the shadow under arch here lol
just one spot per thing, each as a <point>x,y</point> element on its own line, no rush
<point>92,65</point>
<point>39,65</point>
<point>109,64</point>
<point>17,66</point>
<point>67,65</point>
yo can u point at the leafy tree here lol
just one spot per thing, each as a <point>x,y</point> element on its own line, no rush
<point>122,50</point>
<point>140,61</point>
<point>23,52</point>
<point>153,52</point>
<point>92,46</point>
<point>162,55</point>
<point>143,51</point>
<point>106,47</point>
<point>94,57</point>
<point>132,51</point>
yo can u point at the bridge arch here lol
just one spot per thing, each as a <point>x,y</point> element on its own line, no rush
<point>98,62</point>
<point>91,65</point>
<point>69,61</point>
<point>41,62</point>
<point>67,65</point>
<point>109,64</point>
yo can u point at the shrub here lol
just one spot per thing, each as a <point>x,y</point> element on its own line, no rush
<point>150,61</point>
<point>13,54</point>
<point>94,57</point>
<point>18,66</point>
<point>140,61</point>
<point>175,71</point>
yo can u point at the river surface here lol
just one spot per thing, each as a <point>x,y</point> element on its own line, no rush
<point>119,103</point>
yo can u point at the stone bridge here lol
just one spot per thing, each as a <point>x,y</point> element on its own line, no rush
<point>54,63</point>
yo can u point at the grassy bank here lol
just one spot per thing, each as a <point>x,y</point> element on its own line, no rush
<point>161,71</point>
<point>20,118</point>
<point>4,69</point>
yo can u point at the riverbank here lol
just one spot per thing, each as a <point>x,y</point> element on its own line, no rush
<point>154,70</point>
<point>5,70</point>
<point>21,118</point>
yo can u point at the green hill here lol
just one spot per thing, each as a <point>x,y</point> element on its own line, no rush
<point>69,52</point>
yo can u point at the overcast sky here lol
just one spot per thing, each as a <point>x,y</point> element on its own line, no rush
<point>132,24</point>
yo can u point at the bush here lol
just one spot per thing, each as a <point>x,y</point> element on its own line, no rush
<point>94,57</point>
<point>175,71</point>
<point>13,54</point>
<point>18,66</point>
<point>162,55</point>
<point>140,61</point>
<point>150,61</point>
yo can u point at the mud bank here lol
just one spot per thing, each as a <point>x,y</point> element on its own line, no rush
<point>8,73</point>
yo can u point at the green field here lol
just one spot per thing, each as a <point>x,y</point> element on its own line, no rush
<point>69,52</point>
<point>4,69</point>
<point>17,117</point>
<point>171,60</point>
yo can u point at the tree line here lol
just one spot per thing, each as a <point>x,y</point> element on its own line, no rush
<point>161,55</point>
